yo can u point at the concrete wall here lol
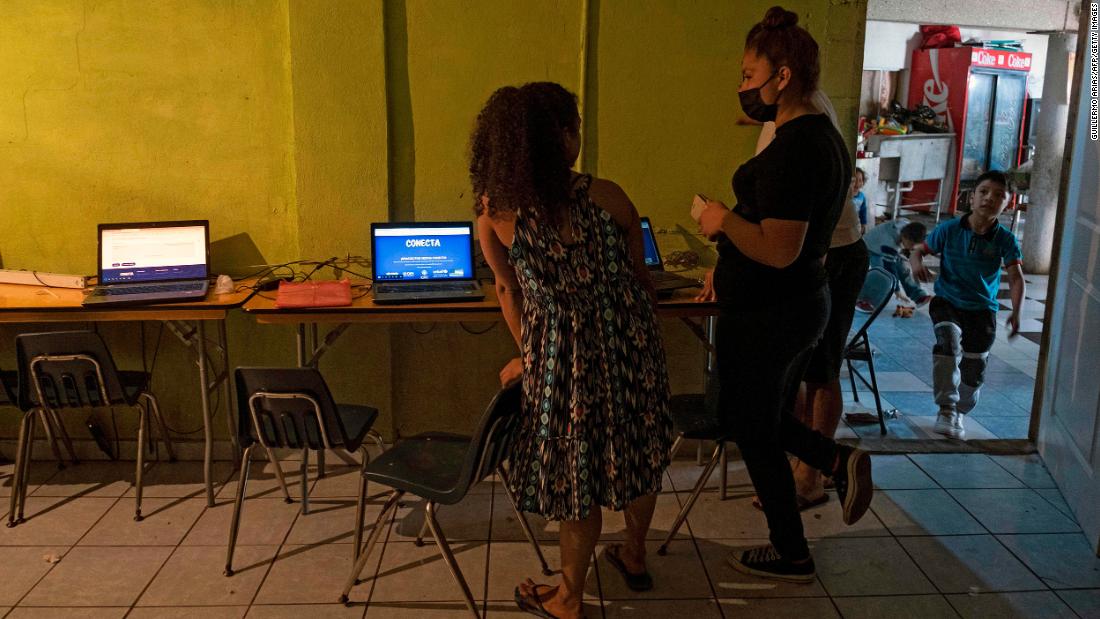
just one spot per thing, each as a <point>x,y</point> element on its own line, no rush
<point>889,46</point>
<point>292,124</point>
<point>1001,14</point>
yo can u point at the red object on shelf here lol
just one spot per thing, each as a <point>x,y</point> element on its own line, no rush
<point>939,36</point>
<point>313,294</point>
<point>980,95</point>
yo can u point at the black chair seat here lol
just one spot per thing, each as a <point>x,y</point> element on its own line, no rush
<point>133,383</point>
<point>857,353</point>
<point>9,384</point>
<point>357,421</point>
<point>427,465</point>
<point>691,419</point>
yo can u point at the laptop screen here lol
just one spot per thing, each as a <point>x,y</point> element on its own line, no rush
<point>652,256</point>
<point>152,252</point>
<point>422,251</point>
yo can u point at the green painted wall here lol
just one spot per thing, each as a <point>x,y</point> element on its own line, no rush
<point>292,124</point>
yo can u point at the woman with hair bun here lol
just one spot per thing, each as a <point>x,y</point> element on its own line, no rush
<point>772,290</point>
<point>571,277</point>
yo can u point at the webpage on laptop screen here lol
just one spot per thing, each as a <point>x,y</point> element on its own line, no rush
<point>404,254</point>
<point>153,254</point>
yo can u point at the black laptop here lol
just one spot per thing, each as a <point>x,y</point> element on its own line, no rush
<point>424,262</point>
<point>663,281</point>
<point>152,262</point>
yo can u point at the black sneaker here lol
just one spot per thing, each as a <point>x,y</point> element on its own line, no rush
<point>765,562</point>
<point>853,482</point>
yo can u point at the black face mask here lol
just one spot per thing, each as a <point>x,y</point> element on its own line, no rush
<point>754,107</point>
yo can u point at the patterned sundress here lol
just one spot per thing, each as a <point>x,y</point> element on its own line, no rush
<point>596,429</point>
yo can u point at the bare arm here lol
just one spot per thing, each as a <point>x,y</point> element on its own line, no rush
<point>773,242</point>
<point>916,262</point>
<point>509,293</point>
<point>1016,288</point>
<point>614,200</point>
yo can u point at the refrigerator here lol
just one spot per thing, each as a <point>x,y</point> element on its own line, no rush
<point>980,94</point>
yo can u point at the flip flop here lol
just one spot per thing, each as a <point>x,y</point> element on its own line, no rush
<point>634,582</point>
<point>535,609</point>
<point>803,503</point>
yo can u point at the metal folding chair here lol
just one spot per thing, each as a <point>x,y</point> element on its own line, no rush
<point>67,370</point>
<point>695,416</point>
<point>882,285</point>
<point>442,468</point>
<point>293,408</point>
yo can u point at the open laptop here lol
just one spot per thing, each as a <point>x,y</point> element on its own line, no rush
<point>663,281</point>
<point>424,262</point>
<point>152,262</point>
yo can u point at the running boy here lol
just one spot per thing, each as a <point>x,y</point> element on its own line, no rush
<point>973,249</point>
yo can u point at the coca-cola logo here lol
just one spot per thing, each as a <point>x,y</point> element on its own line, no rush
<point>936,92</point>
<point>990,59</point>
<point>986,58</point>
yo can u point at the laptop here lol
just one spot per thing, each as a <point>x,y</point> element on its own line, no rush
<point>152,262</point>
<point>424,262</point>
<point>663,281</point>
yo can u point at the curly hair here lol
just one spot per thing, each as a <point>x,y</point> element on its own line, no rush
<point>780,39</point>
<point>518,157</point>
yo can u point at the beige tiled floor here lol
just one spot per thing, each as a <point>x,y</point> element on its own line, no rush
<point>947,536</point>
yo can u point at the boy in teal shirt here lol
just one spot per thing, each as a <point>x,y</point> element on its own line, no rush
<point>973,250</point>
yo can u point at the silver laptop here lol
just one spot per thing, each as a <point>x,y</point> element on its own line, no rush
<point>424,262</point>
<point>152,262</point>
<point>663,281</point>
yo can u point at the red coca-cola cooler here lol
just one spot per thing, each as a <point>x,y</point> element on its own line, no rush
<point>980,95</point>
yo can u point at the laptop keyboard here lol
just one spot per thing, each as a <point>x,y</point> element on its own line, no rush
<point>438,287</point>
<point>664,276</point>
<point>153,288</point>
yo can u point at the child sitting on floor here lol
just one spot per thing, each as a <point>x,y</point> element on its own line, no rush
<point>889,244</point>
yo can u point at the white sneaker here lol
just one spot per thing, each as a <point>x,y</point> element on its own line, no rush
<point>950,424</point>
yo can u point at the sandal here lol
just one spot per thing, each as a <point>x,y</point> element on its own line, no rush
<point>536,609</point>
<point>634,582</point>
<point>803,503</point>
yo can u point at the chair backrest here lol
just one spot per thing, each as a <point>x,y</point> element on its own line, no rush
<point>491,442</point>
<point>72,369</point>
<point>286,407</point>
<point>880,285</point>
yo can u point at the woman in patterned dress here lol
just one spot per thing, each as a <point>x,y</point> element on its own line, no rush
<point>566,250</point>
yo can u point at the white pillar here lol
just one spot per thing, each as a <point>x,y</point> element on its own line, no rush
<point>1050,143</point>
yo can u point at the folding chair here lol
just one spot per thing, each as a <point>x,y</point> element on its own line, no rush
<point>881,284</point>
<point>293,408</point>
<point>442,468</point>
<point>695,416</point>
<point>68,370</point>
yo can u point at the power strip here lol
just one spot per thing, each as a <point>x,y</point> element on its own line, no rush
<point>39,278</point>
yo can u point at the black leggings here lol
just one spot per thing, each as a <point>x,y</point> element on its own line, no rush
<point>761,358</point>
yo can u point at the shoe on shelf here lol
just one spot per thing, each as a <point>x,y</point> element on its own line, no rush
<point>864,307</point>
<point>854,486</point>
<point>950,424</point>
<point>765,562</point>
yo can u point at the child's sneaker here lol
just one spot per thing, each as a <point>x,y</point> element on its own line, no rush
<point>864,307</point>
<point>921,302</point>
<point>950,424</point>
<point>852,478</point>
<point>765,562</point>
